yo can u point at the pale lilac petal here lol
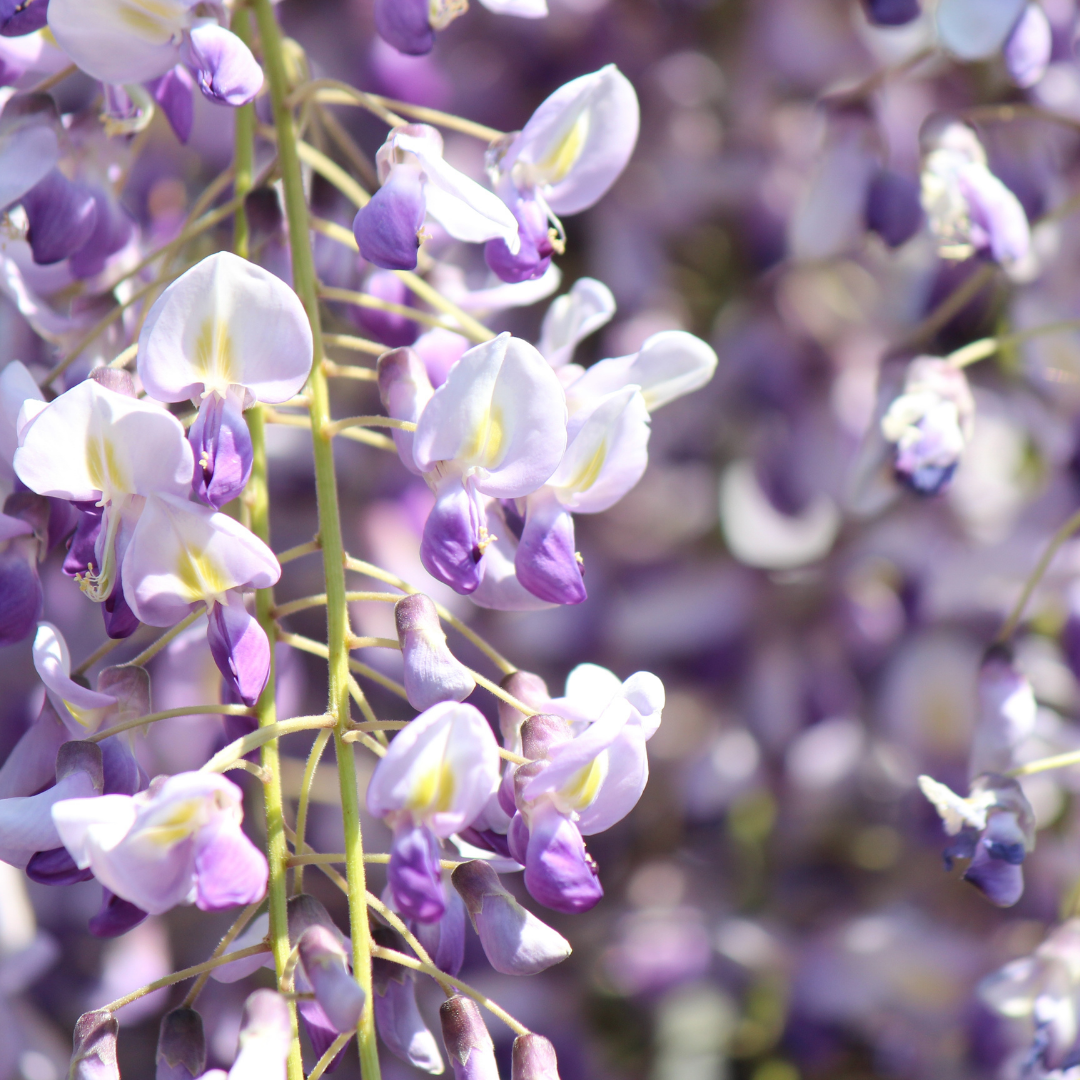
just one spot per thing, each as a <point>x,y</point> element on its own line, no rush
<point>31,765</point>
<point>414,874</point>
<point>572,317</point>
<point>265,1038</point>
<point>174,94</point>
<point>225,322</point>
<point>240,969</point>
<point>76,705</point>
<point>523,9</point>
<point>1027,52</point>
<point>998,213</point>
<point>326,966</point>
<point>226,71</point>
<point>559,872</point>
<point>976,29</point>
<point>61,217</point>
<point>623,783</point>
<point>387,229</point>
<point>28,148</point>
<point>405,25</point>
<point>402,1028</point>
<point>240,649</point>
<point>229,869</point>
<point>221,444</point>
<point>440,350</point>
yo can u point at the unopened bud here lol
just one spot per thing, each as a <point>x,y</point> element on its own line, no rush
<point>265,1038</point>
<point>541,732</point>
<point>534,1059</point>
<point>326,966</point>
<point>530,690</point>
<point>432,673</point>
<point>181,1049</point>
<point>117,380</point>
<point>405,389</point>
<point>305,911</point>
<point>1006,715</point>
<point>94,1051</point>
<point>515,941</point>
<point>471,1051</point>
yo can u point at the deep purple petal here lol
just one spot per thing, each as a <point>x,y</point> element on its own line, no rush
<point>404,24</point>
<point>891,12</point>
<point>113,228</point>
<point>546,562</point>
<point>80,554</point>
<point>240,649</point>
<point>445,940</point>
<point>1000,881</point>
<point>221,444</point>
<point>559,872</point>
<point>229,869</point>
<point>21,598</point>
<point>386,229</point>
<point>393,330</point>
<point>534,255</point>
<point>120,621</point>
<point>175,94</point>
<point>61,217</point>
<point>415,876</point>
<point>116,917</point>
<point>225,69</point>
<point>56,867</point>
<point>119,767</point>
<point>487,840</point>
<point>19,17</point>
<point>893,209</point>
<point>450,548</point>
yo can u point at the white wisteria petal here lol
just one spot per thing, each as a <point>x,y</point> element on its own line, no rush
<point>623,783</point>
<point>607,456</point>
<point>589,690</point>
<point>523,9</point>
<point>976,29</point>
<point>572,317</point>
<point>183,554</point>
<point>92,443</point>
<point>78,706</point>
<point>226,322</point>
<point>668,365</point>
<point>16,386</point>
<point>577,142</point>
<point>500,417</point>
<point>460,205</point>
<point>441,768</point>
<point>121,41</point>
<point>510,294</point>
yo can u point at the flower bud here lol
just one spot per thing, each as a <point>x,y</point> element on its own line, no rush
<point>387,327</point>
<point>432,673</point>
<point>181,1049</point>
<point>541,732</point>
<point>472,1053</point>
<point>406,25</point>
<point>265,1038</point>
<point>94,1053</point>
<point>398,1020</point>
<point>534,1059</point>
<point>326,966</point>
<point>530,690</point>
<point>404,389</point>
<point>515,941</point>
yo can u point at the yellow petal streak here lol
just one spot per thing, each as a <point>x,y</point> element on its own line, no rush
<point>433,791</point>
<point>580,791</point>
<point>214,355</point>
<point>486,446</point>
<point>106,469</point>
<point>178,824</point>
<point>586,476</point>
<point>562,156</point>
<point>200,576</point>
<point>153,20</point>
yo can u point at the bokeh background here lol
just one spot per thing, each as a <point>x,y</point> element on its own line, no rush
<point>776,906</point>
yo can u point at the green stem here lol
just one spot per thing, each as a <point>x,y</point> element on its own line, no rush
<point>337,613</point>
<point>244,157</point>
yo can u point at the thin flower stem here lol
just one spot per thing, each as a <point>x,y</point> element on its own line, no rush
<point>362,435</point>
<point>266,735</point>
<point>319,858</point>
<point>951,306</point>
<point>244,142</point>
<point>373,643</point>
<point>55,79</point>
<point>1058,761</point>
<point>372,571</point>
<point>319,601</point>
<point>362,704</point>
<point>314,757</point>
<point>336,427</point>
<point>181,976</point>
<point>499,692</point>
<point>231,935</point>
<point>349,371</point>
<point>361,163</point>
<point>1056,541</point>
<point>348,341</point>
<point>99,653</point>
<point>396,957</point>
<point>155,647</point>
<point>337,612</point>
<point>332,1052</point>
<point>308,548</point>
<point>411,940</point>
<point>334,92</point>
<point>987,347</point>
<point>122,359</point>
<point>359,299</point>
<point>168,714</point>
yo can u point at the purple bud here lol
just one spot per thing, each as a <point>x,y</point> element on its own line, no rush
<point>404,389</point>
<point>415,875</point>
<point>181,1048</point>
<point>559,872</point>
<point>1027,52</point>
<point>56,867</point>
<point>94,1052</point>
<point>221,444</point>
<point>225,69</point>
<point>546,562</point>
<point>387,228</point>
<point>534,1059</point>
<point>400,1025</point>
<point>995,868</point>
<point>445,940</point>
<point>326,966</point>
<point>515,941</point>
<point>893,209</point>
<point>174,93</point>
<point>113,227</point>
<point>21,597</point>
<point>891,12</point>
<point>61,217</point>
<point>405,25</point>
<point>391,329</point>
<point>129,685</point>
<point>450,548</point>
<point>116,916</point>
<point>19,17</point>
<point>432,673</point>
<point>541,732</point>
<point>534,255</point>
<point>240,649</point>
<point>472,1053</point>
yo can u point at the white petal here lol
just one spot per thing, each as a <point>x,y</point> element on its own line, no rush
<point>16,386</point>
<point>461,206</point>
<point>607,456</point>
<point>513,294</point>
<point>26,824</point>
<point>523,9</point>
<point>183,554</point>
<point>623,783</point>
<point>573,317</point>
<point>91,441</point>
<point>225,322</point>
<point>976,29</point>
<point>669,364</point>
<point>108,818</point>
<point>121,41</point>
<point>52,661</point>
<point>500,416</point>
<point>579,140</point>
<point>590,688</point>
<point>647,697</point>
